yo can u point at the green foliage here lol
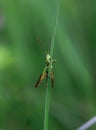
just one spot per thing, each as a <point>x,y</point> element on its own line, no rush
<point>22,61</point>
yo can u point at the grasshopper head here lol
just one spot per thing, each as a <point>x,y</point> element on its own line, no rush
<point>48,59</point>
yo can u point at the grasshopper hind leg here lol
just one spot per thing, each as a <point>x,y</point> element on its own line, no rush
<point>52,78</point>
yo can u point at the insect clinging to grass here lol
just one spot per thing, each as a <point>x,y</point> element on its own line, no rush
<point>46,74</point>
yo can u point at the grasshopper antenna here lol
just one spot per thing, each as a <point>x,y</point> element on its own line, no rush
<point>42,46</point>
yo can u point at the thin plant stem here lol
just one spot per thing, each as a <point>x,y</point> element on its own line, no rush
<point>47,98</point>
<point>55,28</point>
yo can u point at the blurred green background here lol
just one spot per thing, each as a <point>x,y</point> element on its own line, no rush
<point>22,61</point>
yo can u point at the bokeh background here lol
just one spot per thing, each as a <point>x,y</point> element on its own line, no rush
<point>22,61</point>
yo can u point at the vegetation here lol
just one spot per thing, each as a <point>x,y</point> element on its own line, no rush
<point>22,60</point>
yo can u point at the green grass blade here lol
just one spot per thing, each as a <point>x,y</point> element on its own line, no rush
<point>47,99</point>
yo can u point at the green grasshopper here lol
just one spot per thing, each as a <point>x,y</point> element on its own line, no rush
<point>45,74</point>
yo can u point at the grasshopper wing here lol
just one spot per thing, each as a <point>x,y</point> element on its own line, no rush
<point>42,76</point>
